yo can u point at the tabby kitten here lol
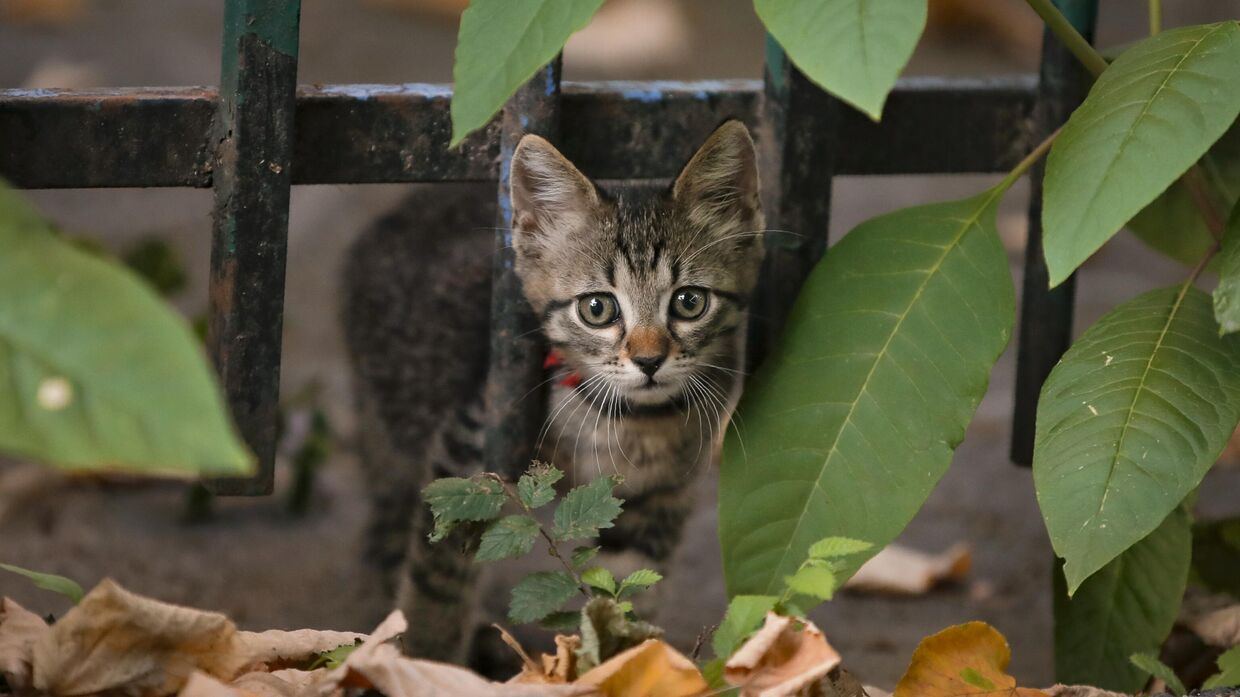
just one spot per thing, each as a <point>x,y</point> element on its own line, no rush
<point>642,296</point>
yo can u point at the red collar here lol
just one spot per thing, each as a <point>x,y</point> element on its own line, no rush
<point>553,360</point>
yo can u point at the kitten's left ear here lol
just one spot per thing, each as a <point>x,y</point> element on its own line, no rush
<point>720,186</point>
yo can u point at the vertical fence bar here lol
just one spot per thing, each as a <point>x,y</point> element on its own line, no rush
<point>254,139</point>
<point>514,406</point>
<point>797,138</point>
<point>1046,313</point>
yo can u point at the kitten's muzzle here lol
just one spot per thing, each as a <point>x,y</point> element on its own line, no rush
<point>649,364</point>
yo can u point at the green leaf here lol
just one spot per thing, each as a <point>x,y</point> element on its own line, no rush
<point>501,44</point>
<point>642,578</point>
<point>537,486</point>
<point>835,547</point>
<point>49,582</point>
<point>587,509</point>
<point>1128,423</point>
<point>1227,294</point>
<point>540,594</point>
<point>745,614</point>
<point>1128,607</point>
<point>508,537</point>
<point>1149,663</point>
<point>1172,224</point>
<point>454,500</point>
<point>814,581</point>
<point>1216,555</point>
<point>600,578</point>
<point>561,621</point>
<point>1229,670</point>
<point>96,372</point>
<point>854,49</point>
<point>335,658</point>
<point>853,418</point>
<point>606,630</point>
<point>582,555</point>
<point>1151,115</point>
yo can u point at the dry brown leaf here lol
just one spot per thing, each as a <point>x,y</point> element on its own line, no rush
<point>42,12</point>
<point>903,571</point>
<point>275,648</point>
<point>20,629</point>
<point>117,640</point>
<point>785,656</point>
<point>560,668</point>
<point>203,685</point>
<point>967,659</point>
<point>1219,628</point>
<point>651,669</point>
<point>284,683</point>
<point>1079,691</point>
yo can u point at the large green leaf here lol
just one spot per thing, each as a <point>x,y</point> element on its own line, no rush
<point>1129,422</point>
<point>1150,116</point>
<point>854,49</point>
<point>852,420</point>
<point>1227,294</point>
<point>1128,607</point>
<point>95,370</point>
<point>501,44</point>
<point>1172,224</point>
<point>1216,555</point>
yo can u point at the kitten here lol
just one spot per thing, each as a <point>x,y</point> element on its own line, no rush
<point>642,297</point>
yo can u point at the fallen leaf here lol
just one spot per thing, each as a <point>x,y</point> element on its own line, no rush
<point>651,669</point>
<point>283,683</point>
<point>1219,628</point>
<point>967,659</point>
<point>560,668</point>
<point>275,648</point>
<point>117,640</point>
<point>19,630</point>
<point>785,656</point>
<point>203,685</point>
<point>903,571</point>
<point>1079,691</point>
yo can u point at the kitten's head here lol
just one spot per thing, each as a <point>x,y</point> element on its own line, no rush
<point>641,292</point>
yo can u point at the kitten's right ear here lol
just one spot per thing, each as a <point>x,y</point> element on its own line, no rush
<point>548,192</point>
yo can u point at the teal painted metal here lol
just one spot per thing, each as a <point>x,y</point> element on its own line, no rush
<point>252,173</point>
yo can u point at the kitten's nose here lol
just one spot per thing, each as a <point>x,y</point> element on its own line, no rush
<point>649,364</point>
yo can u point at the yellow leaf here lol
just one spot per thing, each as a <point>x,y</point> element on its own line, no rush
<point>964,660</point>
<point>650,669</point>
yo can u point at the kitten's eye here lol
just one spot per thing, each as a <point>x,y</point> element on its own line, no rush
<point>599,309</point>
<point>689,303</point>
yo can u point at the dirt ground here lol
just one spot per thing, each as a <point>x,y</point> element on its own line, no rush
<point>267,569</point>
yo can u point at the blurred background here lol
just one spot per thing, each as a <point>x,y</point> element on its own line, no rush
<point>267,568</point>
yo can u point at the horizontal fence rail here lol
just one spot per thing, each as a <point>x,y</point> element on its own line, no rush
<point>358,134</point>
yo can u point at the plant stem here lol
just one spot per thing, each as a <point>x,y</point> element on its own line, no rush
<point>1195,182</point>
<point>551,546</point>
<point>1023,166</point>
<point>1155,17</point>
<point>1056,22</point>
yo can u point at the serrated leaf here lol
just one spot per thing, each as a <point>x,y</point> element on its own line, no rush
<point>745,614</point>
<point>600,578</point>
<point>536,487</point>
<point>49,582</point>
<point>835,547</point>
<point>501,44</point>
<point>606,631</point>
<point>540,594</point>
<point>1128,423</point>
<point>854,49</point>
<point>1149,664</point>
<point>1227,294</point>
<point>587,509</point>
<point>96,371</point>
<point>582,555</point>
<point>814,581</point>
<point>508,537</point>
<point>1127,607</point>
<point>1132,137</point>
<point>853,418</point>
<point>1229,670</point>
<point>1172,224</point>
<point>642,578</point>
<point>453,500</point>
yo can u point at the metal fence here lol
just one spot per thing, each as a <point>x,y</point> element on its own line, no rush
<point>259,134</point>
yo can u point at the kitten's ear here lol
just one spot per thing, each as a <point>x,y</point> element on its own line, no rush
<point>720,184</point>
<point>548,192</point>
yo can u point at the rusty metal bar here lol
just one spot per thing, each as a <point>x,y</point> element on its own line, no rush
<point>517,348</point>
<point>252,143</point>
<point>1046,313</point>
<point>798,132</point>
<point>399,133</point>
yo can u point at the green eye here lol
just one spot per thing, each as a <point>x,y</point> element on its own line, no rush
<point>598,309</point>
<point>689,303</point>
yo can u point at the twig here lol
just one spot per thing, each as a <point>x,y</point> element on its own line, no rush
<point>1194,181</point>
<point>551,546</point>
<point>1155,17</point>
<point>1056,22</point>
